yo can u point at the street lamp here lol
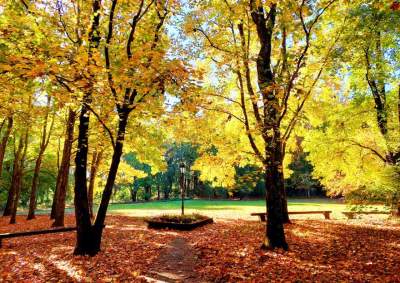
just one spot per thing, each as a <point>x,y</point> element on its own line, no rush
<point>182,169</point>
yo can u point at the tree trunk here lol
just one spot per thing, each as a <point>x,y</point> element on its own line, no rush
<point>35,181</point>
<point>158,192</point>
<point>97,156</point>
<point>97,229</point>
<point>18,181</point>
<point>269,123</point>
<point>84,241</point>
<point>82,215</point>
<point>275,235</point>
<point>166,192</point>
<point>147,192</point>
<point>14,180</point>
<point>42,147</point>
<point>58,207</point>
<point>4,142</point>
<point>133,195</point>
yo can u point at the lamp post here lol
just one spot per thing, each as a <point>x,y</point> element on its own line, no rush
<point>182,169</point>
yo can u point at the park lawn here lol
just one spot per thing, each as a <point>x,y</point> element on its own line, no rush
<point>231,209</point>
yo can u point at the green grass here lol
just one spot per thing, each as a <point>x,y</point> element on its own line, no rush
<point>229,209</point>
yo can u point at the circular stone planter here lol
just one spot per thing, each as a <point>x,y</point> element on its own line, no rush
<point>157,224</point>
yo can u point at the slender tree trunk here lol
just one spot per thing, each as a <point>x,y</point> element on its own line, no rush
<point>97,156</point>
<point>58,207</point>
<point>158,192</point>
<point>97,230</point>
<point>166,192</point>
<point>18,181</point>
<point>133,195</point>
<point>35,181</point>
<point>46,133</point>
<point>63,172</point>
<point>4,142</point>
<point>147,192</point>
<point>14,180</point>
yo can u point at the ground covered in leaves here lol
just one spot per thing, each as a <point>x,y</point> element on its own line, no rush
<point>226,251</point>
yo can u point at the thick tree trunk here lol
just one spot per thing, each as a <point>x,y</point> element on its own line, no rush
<point>97,156</point>
<point>270,124</point>
<point>275,235</point>
<point>4,142</point>
<point>82,215</point>
<point>84,241</point>
<point>58,207</point>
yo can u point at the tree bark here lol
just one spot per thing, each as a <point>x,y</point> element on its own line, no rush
<point>275,235</point>
<point>4,142</point>
<point>58,207</point>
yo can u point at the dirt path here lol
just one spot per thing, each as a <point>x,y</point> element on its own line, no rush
<point>176,263</point>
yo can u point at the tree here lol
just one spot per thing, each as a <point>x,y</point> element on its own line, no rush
<point>58,206</point>
<point>286,77</point>
<point>126,97</point>
<point>359,123</point>
<point>44,142</point>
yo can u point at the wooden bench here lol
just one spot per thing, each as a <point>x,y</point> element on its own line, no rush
<point>326,213</point>
<point>35,232</point>
<point>351,214</point>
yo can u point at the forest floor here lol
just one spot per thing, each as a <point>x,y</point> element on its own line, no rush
<point>226,251</point>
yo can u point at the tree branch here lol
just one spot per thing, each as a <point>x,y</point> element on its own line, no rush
<point>210,41</point>
<point>102,123</point>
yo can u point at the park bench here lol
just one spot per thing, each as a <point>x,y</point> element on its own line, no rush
<point>351,214</point>
<point>35,232</point>
<point>326,213</point>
